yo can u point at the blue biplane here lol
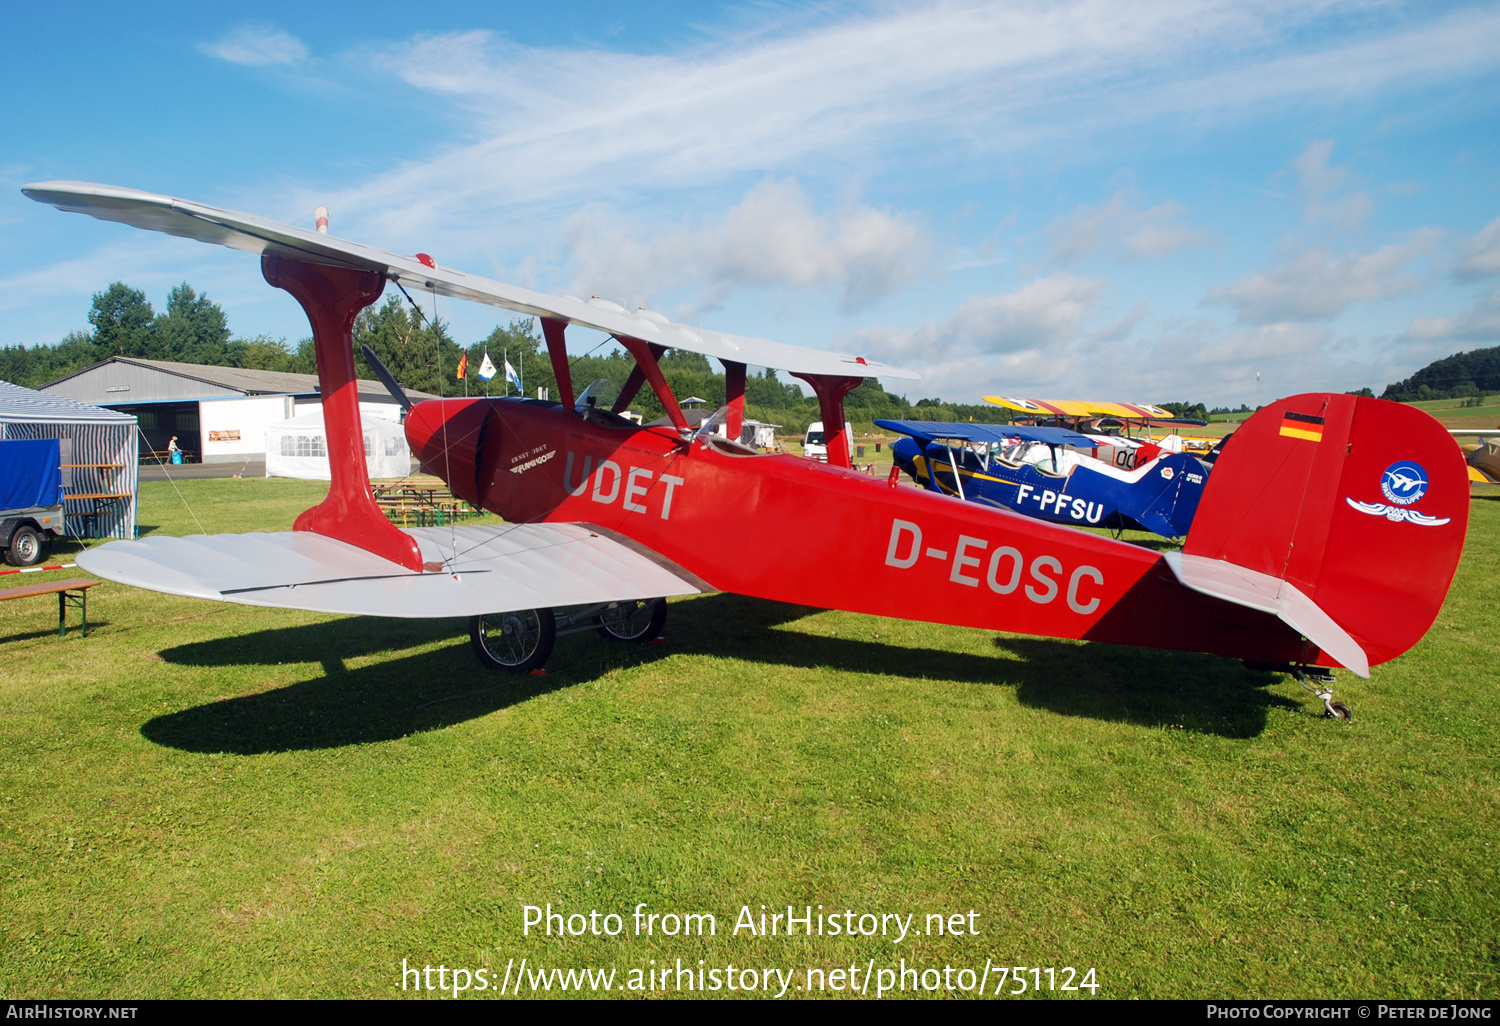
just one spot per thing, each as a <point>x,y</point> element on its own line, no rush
<point>1040,472</point>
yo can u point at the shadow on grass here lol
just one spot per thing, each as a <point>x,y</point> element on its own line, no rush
<point>431,690</point>
<point>51,632</point>
<point>1118,683</point>
<point>390,699</point>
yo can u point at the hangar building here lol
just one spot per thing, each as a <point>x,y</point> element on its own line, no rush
<point>219,414</point>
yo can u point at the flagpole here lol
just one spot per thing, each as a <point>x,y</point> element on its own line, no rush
<point>505,358</point>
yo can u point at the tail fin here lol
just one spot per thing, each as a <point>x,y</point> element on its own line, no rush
<point>1343,515</point>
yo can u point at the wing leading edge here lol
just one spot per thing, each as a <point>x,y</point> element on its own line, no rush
<point>253,234</point>
<point>494,569</point>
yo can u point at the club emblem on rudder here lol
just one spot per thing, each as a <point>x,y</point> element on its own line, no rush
<point>1404,482</point>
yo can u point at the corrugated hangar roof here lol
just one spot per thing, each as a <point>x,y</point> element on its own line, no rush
<point>28,406</point>
<point>185,381</point>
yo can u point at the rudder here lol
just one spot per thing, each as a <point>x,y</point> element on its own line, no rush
<point>1361,504</point>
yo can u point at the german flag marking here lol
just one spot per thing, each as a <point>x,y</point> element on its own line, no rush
<point>1302,425</point>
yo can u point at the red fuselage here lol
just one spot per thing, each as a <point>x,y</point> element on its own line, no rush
<point>789,529</point>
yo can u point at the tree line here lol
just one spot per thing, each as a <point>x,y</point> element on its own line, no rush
<point>1467,375</point>
<point>424,357</point>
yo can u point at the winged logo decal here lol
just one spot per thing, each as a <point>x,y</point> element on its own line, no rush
<point>1397,513</point>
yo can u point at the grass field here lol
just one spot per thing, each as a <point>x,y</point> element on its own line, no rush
<point>212,800</point>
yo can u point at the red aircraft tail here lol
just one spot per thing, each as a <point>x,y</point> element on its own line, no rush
<point>1345,516</point>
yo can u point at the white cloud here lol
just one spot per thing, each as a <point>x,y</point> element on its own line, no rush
<point>771,238</point>
<point>1043,317</point>
<point>1037,341</point>
<point>1315,286</point>
<point>1321,184</point>
<point>1479,323</point>
<point>1122,229</point>
<point>257,44</point>
<point>1481,254</point>
<point>542,124</point>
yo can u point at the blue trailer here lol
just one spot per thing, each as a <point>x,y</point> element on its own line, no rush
<point>31,498</point>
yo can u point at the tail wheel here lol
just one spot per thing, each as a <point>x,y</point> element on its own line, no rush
<point>518,641</point>
<point>26,547</point>
<point>639,621</point>
<point>1340,711</point>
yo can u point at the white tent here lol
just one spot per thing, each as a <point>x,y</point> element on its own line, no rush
<point>299,448</point>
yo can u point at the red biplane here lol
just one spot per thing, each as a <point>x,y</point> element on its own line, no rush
<point>1316,543</point>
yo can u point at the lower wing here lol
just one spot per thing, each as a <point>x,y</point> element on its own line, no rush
<point>485,569</point>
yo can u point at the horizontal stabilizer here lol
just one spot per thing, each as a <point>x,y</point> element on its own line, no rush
<point>1282,599</point>
<point>496,568</point>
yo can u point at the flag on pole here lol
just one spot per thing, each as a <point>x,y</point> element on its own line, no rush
<point>486,368</point>
<point>463,365</point>
<point>511,375</point>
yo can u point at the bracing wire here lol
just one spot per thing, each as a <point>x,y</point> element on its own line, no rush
<point>162,463</point>
<point>447,468</point>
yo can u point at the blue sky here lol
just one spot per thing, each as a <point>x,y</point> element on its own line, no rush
<point>1138,201</point>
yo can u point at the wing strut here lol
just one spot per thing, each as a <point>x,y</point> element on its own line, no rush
<point>557,352</point>
<point>332,297</point>
<point>734,397</point>
<point>831,389</point>
<point>645,359</point>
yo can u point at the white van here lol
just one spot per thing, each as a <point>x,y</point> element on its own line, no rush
<point>815,446</point>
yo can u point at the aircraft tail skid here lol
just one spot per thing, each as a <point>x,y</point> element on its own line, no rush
<point>1343,516</point>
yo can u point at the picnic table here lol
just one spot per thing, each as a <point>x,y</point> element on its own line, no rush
<point>425,502</point>
<point>66,597</point>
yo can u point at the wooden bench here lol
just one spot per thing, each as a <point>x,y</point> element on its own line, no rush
<point>65,597</point>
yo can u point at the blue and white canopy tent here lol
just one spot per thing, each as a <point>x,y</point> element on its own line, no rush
<point>98,450</point>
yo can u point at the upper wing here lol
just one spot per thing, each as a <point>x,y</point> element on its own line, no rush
<point>1042,407</point>
<point>488,569</point>
<point>260,235</point>
<point>930,430</point>
<point>1081,408</point>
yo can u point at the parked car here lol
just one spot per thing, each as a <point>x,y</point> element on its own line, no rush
<point>815,445</point>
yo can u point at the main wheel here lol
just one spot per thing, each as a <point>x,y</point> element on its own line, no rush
<point>518,641</point>
<point>26,547</point>
<point>640,620</point>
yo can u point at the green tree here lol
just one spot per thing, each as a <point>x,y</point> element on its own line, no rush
<point>265,353</point>
<point>421,355</point>
<point>36,365</point>
<point>124,323</point>
<point>516,342</point>
<point>193,330</point>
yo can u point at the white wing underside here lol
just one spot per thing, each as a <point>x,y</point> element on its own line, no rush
<point>1281,599</point>
<point>260,235</point>
<point>497,568</point>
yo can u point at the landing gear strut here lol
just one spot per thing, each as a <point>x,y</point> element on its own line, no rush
<point>1320,683</point>
<point>520,641</point>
